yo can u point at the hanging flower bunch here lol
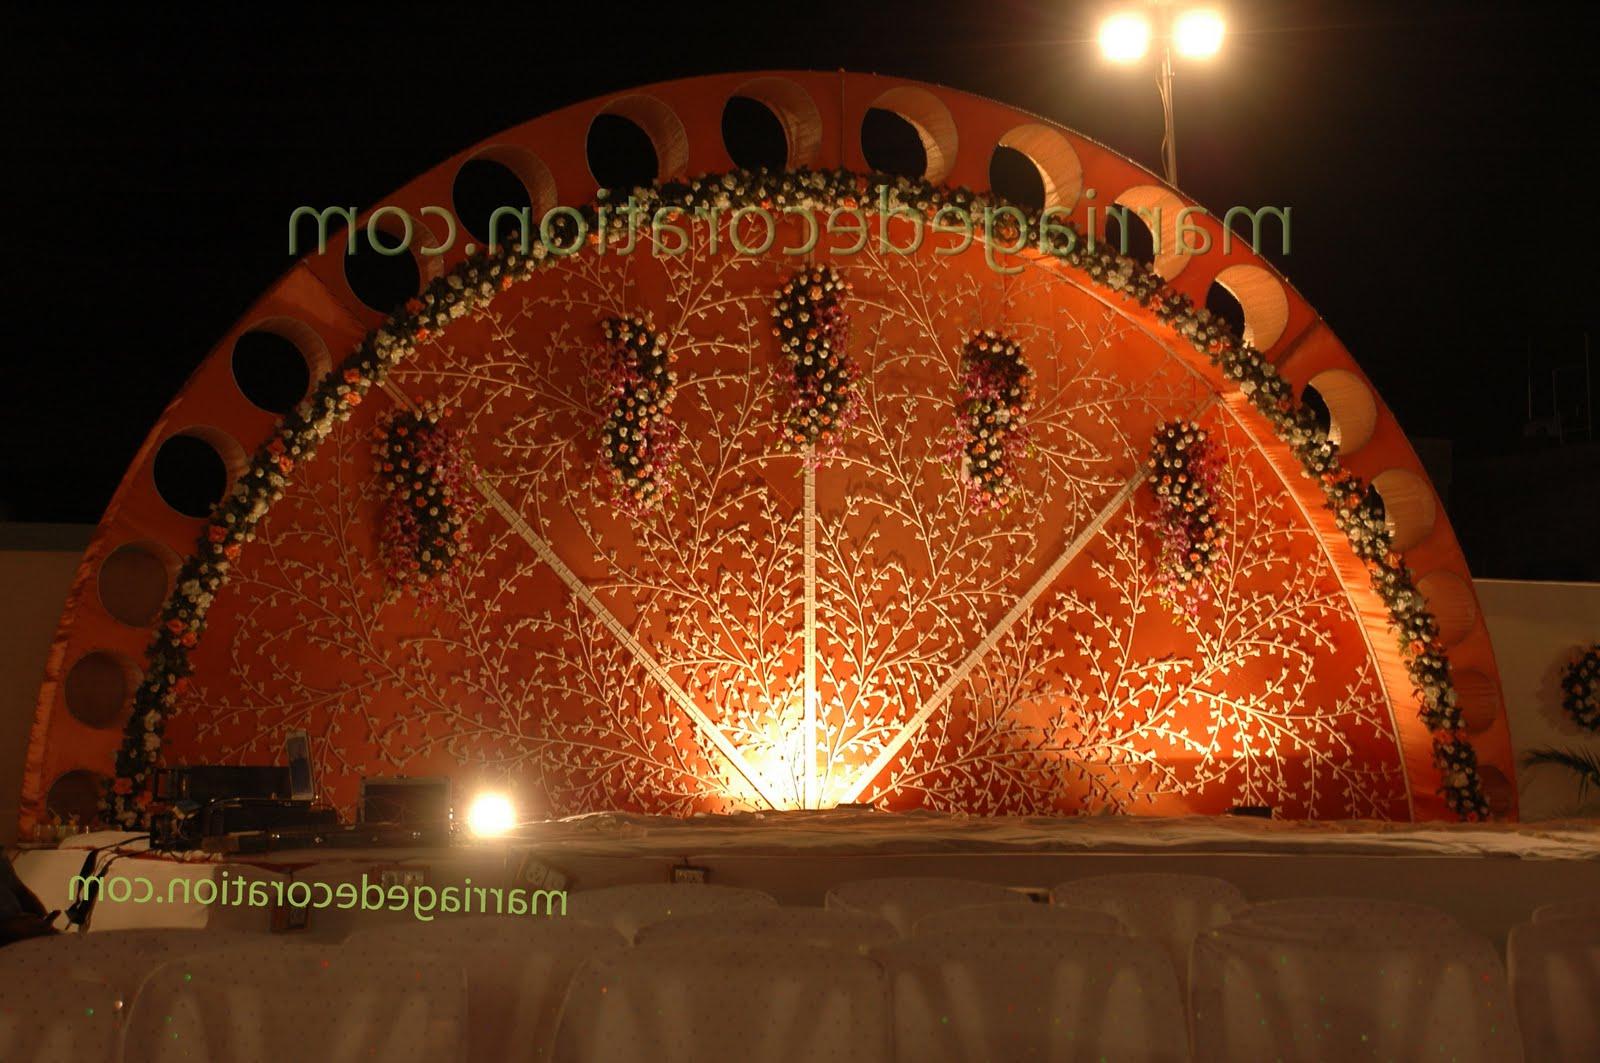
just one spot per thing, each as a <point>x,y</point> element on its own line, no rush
<point>426,475</point>
<point>1580,688</point>
<point>473,282</point>
<point>1185,465</point>
<point>819,387</point>
<point>639,436</point>
<point>991,430</point>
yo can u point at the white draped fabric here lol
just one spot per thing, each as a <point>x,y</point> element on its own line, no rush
<point>726,1001</point>
<point>270,1000</point>
<point>1341,988</point>
<point>1554,967</point>
<point>1168,909</point>
<point>828,928</point>
<point>1044,916</point>
<point>53,1014</point>
<point>903,901</point>
<point>629,909</point>
<point>1019,993</point>
<point>518,970</point>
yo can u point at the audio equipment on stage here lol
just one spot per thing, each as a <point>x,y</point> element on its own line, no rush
<point>297,751</point>
<point>232,817</point>
<point>205,783</point>
<point>423,801</point>
<point>357,836</point>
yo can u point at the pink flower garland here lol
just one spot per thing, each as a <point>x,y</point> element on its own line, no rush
<point>428,500</point>
<point>640,439</point>
<point>820,397</point>
<point>1184,468</point>
<point>991,434</point>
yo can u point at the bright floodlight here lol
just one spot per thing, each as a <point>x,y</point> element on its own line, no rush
<point>1125,37</point>
<point>1197,34</point>
<point>490,815</point>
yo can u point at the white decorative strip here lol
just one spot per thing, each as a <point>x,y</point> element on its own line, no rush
<point>640,653</point>
<point>991,639</point>
<point>809,797</point>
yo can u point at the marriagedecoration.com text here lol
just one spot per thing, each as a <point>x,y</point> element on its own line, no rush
<point>755,229</point>
<point>237,892</point>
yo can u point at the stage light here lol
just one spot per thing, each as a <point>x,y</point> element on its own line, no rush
<point>1197,33</point>
<point>491,815</point>
<point>1125,37</point>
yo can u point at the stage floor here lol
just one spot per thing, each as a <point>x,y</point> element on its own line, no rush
<point>1489,876</point>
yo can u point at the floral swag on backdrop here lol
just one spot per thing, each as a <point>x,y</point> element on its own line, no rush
<point>1580,688</point>
<point>639,437</point>
<point>426,477</point>
<point>990,437</point>
<point>471,285</point>
<point>1184,466</point>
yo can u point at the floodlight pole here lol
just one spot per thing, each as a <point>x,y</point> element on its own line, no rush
<point>1169,140</point>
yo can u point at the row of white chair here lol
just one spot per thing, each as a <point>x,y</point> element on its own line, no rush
<point>893,968</point>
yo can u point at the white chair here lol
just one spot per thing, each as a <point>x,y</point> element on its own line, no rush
<point>517,967</point>
<point>629,909</point>
<point>117,959</point>
<point>822,927</point>
<point>1584,907</point>
<point>268,1000</point>
<point>1367,912</point>
<point>1031,992</point>
<point>1044,916</point>
<point>1554,968</point>
<point>1335,989</point>
<point>50,1013</point>
<point>711,1001</point>
<point>1169,909</point>
<point>903,901</point>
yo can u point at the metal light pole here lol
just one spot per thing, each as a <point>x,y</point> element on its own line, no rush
<point>1194,33</point>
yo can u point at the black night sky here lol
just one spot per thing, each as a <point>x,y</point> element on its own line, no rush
<point>1430,152</point>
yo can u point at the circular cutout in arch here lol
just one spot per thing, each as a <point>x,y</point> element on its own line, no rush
<point>1408,506</point>
<point>274,362</point>
<point>98,688</point>
<point>1479,699</point>
<point>1157,210</point>
<point>75,795</point>
<point>193,468</point>
<point>501,178</point>
<point>1056,164</point>
<point>774,123</point>
<point>1262,301</point>
<point>134,581</point>
<point>634,142</point>
<point>1452,603</point>
<point>1014,178</point>
<point>383,273</point>
<point>929,120</point>
<point>1352,411</point>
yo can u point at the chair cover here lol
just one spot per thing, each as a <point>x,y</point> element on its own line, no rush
<point>822,927</point>
<point>1300,987</point>
<point>1364,912</point>
<point>1555,981</point>
<point>903,901</point>
<point>266,1000</point>
<point>120,960</point>
<point>51,1013</point>
<point>630,908</point>
<point>1168,909</point>
<point>1586,907</point>
<point>1032,992</point>
<point>517,967</point>
<point>1046,916</point>
<point>738,1001</point>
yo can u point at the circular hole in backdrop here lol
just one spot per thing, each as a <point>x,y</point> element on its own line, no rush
<point>270,370</point>
<point>190,475</point>
<point>97,689</point>
<point>621,156</point>
<point>1015,178</point>
<point>753,135</point>
<point>892,144</point>
<point>384,279</point>
<point>133,582</point>
<point>482,186</point>
<point>75,795</point>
